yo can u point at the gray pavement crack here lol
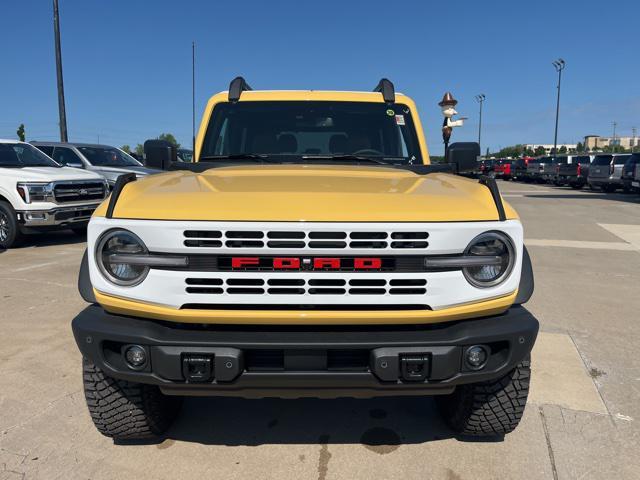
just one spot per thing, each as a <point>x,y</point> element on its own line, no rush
<point>552,459</point>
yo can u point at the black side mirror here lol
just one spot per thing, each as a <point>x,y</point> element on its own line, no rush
<point>463,156</point>
<point>159,154</point>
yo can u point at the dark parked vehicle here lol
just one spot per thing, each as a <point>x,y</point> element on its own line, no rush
<point>534,169</point>
<point>635,183</point>
<point>574,171</point>
<point>629,171</point>
<point>503,169</point>
<point>548,167</point>
<point>486,167</point>
<point>606,171</point>
<point>519,168</point>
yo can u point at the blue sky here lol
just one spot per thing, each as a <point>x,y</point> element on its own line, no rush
<point>127,64</point>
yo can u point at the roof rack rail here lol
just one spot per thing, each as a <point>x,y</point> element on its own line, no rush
<point>236,87</point>
<point>386,88</point>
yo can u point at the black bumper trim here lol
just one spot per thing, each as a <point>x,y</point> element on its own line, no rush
<point>101,336</point>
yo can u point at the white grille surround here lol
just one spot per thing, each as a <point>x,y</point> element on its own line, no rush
<point>171,287</point>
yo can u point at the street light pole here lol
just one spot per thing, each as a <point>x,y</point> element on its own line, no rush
<point>193,97</point>
<point>559,65</point>
<point>61,109</point>
<point>480,99</point>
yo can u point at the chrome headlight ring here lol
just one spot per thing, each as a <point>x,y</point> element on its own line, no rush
<point>120,242</point>
<point>491,244</point>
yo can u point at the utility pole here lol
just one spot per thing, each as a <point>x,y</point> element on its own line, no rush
<point>480,99</point>
<point>193,97</point>
<point>633,139</point>
<point>61,109</point>
<point>559,65</point>
<point>613,140</point>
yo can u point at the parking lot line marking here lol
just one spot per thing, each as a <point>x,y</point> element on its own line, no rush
<point>559,376</point>
<point>32,267</point>
<point>628,233</point>
<point>622,246</point>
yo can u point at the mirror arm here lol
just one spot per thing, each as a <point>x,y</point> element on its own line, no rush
<point>491,184</point>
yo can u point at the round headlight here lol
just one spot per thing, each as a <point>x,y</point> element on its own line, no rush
<point>500,254</point>
<point>114,244</point>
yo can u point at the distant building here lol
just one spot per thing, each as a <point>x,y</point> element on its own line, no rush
<point>596,142</point>
<point>549,148</point>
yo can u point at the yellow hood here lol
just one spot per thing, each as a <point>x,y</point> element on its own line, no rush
<point>306,193</point>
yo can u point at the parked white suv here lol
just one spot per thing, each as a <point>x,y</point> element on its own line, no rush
<point>38,194</point>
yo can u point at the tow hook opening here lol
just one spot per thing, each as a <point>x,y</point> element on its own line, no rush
<point>197,368</point>
<point>414,368</point>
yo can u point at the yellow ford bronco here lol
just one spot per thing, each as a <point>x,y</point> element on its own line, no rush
<point>310,250</point>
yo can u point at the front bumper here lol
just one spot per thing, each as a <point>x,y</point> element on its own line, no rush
<point>56,217</point>
<point>297,361</point>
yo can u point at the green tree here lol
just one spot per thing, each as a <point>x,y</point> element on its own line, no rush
<point>562,149</point>
<point>580,147</point>
<point>125,148</point>
<point>539,151</point>
<point>140,149</point>
<point>169,138</point>
<point>528,152</point>
<point>20,132</point>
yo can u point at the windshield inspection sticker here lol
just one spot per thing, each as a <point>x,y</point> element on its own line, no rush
<point>400,120</point>
<point>391,113</point>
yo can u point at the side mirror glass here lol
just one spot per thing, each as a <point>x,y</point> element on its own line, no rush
<point>463,156</point>
<point>159,154</point>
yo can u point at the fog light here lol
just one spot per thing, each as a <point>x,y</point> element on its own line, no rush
<point>136,356</point>
<point>476,357</point>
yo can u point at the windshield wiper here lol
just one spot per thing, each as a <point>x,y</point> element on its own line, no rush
<point>353,158</point>
<point>239,156</point>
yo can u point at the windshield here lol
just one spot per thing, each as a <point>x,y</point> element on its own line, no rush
<point>18,155</point>
<point>108,157</point>
<point>292,131</point>
<point>602,159</point>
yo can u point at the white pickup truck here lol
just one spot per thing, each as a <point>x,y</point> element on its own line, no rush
<point>38,194</point>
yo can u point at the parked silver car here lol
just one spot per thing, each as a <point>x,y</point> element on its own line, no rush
<point>110,162</point>
<point>606,171</point>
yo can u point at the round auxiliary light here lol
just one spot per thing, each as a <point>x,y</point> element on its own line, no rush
<point>109,251</point>
<point>136,356</point>
<point>476,357</point>
<point>498,249</point>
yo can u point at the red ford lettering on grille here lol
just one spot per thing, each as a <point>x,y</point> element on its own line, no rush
<point>286,263</point>
<point>241,262</point>
<point>367,263</point>
<point>326,263</point>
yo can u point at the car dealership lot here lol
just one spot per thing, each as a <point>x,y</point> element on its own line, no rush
<point>582,420</point>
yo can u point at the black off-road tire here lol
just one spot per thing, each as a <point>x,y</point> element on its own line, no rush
<point>10,235</point>
<point>488,409</point>
<point>577,186</point>
<point>124,410</point>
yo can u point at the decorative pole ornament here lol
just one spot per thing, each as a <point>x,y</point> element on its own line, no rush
<point>447,104</point>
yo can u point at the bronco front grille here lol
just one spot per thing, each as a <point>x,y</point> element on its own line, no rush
<point>68,192</point>
<point>299,286</point>
<point>307,240</point>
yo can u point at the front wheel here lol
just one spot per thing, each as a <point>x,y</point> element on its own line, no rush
<point>491,408</point>
<point>10,234</point>
<point>125,410</point>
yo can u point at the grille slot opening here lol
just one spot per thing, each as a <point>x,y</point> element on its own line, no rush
<point>407,291</point>
<point>367,291</point>
<point>327,291</point>
<point>210,290</point>
<point>277,282</point>
<point>409,235</point>
<point>327,244</point>
<point>409,244</point>
<point>367,283</point>
<point>202,243</point>
<point>246,234</point>
<point>257,360</point>
<point>245,291</point>
<point>327,235</point>
<point>348,360</point>
<point>285,291</point>
<point>245,281</point>
<point>285,235</point>
<point>327,282</point>
<point>285,244</point>
<point>202,234</point>
<point>408,282</point>
<point>244,244</point>
<point>363,244</point>
<point>203,281</point>
<point>368,235</point>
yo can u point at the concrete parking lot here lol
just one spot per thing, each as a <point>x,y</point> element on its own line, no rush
<point>582,419</point>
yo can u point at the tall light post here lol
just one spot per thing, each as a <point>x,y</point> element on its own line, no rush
<point>559,65</point>
<point>480,99</point>
<point>61,109</point>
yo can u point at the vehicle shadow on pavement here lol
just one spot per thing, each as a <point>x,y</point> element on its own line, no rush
<point>62,237</point>
<point>618,197</point>
<point>381,424</point>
